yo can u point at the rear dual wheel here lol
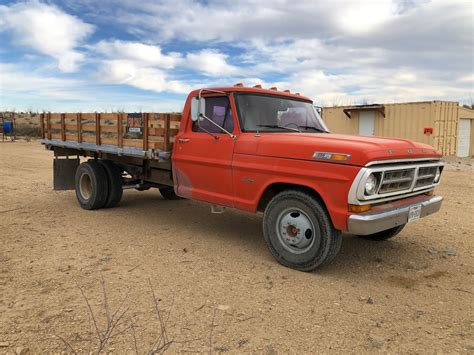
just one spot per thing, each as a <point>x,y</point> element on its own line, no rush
<point>98,184</point>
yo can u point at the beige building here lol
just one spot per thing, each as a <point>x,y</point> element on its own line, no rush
<point>442,124</point>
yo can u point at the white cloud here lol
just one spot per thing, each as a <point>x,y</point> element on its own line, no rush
<point>362,17</point>
<point>339,50</point>
<point>48,30</point>
<point>132,73</point>
<point>211,62</point>
<point>145,53</point>
<point>22,89</point>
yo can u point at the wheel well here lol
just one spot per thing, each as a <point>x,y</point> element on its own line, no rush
<point>274,189</point>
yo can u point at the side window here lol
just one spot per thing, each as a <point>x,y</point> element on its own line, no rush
<point>219,111</point>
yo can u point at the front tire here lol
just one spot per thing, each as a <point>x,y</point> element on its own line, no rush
<point>91,185</point>
<point>299,232</point>
<point>384,235</point>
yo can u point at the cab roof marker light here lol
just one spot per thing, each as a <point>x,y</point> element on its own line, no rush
<point>238,85</point>
<point>273,88</point>
<point>258,86</point>
<point>288,91</point>
<point>331,156</point>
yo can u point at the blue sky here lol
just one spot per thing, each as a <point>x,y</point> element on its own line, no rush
<point>87,55</point>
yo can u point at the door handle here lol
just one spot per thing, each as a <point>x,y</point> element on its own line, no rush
<point>183,140</point>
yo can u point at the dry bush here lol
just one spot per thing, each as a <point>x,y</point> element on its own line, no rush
<point>108,324</point>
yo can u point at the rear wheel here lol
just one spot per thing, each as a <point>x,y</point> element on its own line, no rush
<point>91,185</point>
<point>299,232</point>
<point>115,182</point>
<point>384,235</point>
<point>168,193</point>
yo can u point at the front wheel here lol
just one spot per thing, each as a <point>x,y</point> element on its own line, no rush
<point>384,235</point>
<point>299,232</point>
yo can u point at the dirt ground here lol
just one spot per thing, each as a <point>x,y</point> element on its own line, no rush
<point>216,286</point>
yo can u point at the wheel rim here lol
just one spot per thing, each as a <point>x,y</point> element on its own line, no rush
<point>296,232</point>
<point>85,186</point>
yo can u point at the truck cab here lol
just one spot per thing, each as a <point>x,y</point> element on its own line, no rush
<point>270,151</point>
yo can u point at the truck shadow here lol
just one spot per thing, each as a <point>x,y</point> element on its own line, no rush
<point>243,231</point>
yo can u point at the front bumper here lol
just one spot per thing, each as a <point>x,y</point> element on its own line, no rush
<point>377,221</point>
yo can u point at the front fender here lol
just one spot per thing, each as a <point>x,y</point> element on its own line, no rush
<point>252,175</point>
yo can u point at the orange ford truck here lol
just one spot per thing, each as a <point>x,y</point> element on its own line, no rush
<point>257,150</point>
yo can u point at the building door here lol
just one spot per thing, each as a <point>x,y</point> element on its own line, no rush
<point>366,123</point>
<point>464,138</point>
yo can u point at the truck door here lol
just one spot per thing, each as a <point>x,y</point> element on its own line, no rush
<point>202,161</point>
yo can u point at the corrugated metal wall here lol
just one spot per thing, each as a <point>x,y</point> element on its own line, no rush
<point>406,120</point>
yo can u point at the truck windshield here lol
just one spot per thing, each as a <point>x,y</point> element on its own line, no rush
<point>266,113</point>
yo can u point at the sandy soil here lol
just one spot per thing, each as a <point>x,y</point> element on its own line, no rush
<point>217,287</point>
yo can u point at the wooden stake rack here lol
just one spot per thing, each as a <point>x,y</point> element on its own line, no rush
<point>156,132</point>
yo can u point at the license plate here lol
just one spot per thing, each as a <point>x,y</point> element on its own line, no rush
<point>414,213</point>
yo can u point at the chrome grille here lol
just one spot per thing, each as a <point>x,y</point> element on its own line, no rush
<point>396,180</point>
<point>426,176</point>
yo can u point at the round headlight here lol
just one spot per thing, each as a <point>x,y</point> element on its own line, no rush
<point>371,185</point>
<point>438,175</point>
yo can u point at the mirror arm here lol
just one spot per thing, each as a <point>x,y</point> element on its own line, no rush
<point>233,136</point>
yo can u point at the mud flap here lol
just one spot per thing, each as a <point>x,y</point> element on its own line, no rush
<point>64,173</point>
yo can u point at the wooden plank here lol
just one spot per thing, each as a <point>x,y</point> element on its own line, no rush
<point>89,127</point>
<point>161,131</point>
<point>88,139</point>
<point>42,125</point>
<point>70,116</point>
<point>120,130</point>
<point>71,137</point>
<point>111,141</point>
<point>48,124</point>
<point>156,145</point>
<point>63,127</point>
<point>145,131</point>
<point>55,136</point>
<point>166,135</point>
<point>110,129</point>
<point>97,129</point>
<point>55,126</point>
<point>55,116</point>
<point>70,126</point>
<point>152,139</point>
<point>88,116</point>
<point>175,116</point>
<point>136,143</point>
<point>79,127</point>
<point>109,116</point>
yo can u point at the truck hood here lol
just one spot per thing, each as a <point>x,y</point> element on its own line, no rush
<point>362,149</point>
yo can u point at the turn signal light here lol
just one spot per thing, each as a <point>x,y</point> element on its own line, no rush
<point>359,208</point>
<point>331,156</point>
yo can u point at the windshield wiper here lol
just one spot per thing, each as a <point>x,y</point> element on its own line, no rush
<point>276,126</point>
<point>315,128</point>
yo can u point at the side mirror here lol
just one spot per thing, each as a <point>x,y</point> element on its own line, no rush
<point>198,109</point>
